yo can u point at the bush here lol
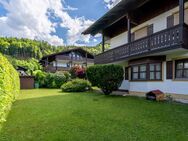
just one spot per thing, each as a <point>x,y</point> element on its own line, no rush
<point>40,78</point>
<point>106,77</point>
<point>55,80</point>
<point>66,74</point>
<point>9,87</point>
<point>51,80</point>
<point>78,72</point>
<point>76,85</point>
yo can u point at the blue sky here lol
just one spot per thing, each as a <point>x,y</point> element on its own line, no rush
<point>60,22</point>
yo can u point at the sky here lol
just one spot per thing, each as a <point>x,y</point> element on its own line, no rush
<point>59,22</point>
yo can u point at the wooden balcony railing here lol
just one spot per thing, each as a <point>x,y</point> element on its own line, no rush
<point>167,39</point>
<point>51,68</point>
<point>76,59</point>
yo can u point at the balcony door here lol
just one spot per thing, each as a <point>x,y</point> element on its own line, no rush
<point>142,32</point>
<point>175,18</point>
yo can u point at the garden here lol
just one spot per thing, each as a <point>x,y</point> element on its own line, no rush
<point>67,107</point>
<point>79,79</point>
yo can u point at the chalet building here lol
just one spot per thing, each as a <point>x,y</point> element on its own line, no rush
<point>149,38</point>
<point>63,61</point>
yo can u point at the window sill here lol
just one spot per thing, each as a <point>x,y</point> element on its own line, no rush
<point>145,80</point>
<point>180,79</point>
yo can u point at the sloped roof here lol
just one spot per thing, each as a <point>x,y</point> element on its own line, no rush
<point>70,50</point>
<point>114,15</point>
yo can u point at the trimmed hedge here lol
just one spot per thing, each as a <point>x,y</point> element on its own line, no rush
<point>9,87</point>
<point>76,85</point>
<point>106,77</point>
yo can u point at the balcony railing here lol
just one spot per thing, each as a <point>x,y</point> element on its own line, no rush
<point>164,40</point>
<point>75,59</point>
<point>51,68</point>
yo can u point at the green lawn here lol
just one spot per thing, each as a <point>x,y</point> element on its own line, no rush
<point>49,115</point>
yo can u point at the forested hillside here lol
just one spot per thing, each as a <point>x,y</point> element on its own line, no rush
<point>27,53</point>
<point>26,48</point>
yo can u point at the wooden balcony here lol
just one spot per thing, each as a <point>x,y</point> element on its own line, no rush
<point>74,59</point>
<point>168,39</point>
<point>51,68</point>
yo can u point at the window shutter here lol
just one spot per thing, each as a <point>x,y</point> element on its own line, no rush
<point>132,37</point>
<point>169,70</point>
<point>170,21</point>
<point>150,29</point>
<point>126,73</point>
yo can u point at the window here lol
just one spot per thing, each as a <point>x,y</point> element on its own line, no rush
<point>59,64</point>
<point>182,69</point>
<point>169,70</point>
<point>139,72</point>
<point>174,19</point>
<point>150,71</point>
<point>140,33</point>
<point>155,71</point>
<point>126,73</point>
<point>68,65</point>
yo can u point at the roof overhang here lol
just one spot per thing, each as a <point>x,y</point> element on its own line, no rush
<point>114,15</point>
<point>79,49</point>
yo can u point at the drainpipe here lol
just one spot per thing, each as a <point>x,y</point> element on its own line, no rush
<point>181,11</point>
<point>128,28</point>
<point>103,43</point>
<point>86,59</point>
<point>181,17</point>
<point>56,64</point>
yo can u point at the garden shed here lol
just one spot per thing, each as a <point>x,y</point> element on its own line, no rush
<point>26,81</point>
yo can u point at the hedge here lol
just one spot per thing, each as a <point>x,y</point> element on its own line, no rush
<point>106,77</point>
<point>9,87</point>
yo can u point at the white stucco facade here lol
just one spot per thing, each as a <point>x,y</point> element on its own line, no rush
<point>167,86</point>
<point>159,23</point>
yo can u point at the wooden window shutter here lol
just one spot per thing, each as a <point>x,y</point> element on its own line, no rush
<point>126,73</point>
<point>132,37</point>
<point>150,29</point>
<point>169,70</point>
<point>170,21</point>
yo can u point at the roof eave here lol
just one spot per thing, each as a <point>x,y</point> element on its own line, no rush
<point>113,15</point>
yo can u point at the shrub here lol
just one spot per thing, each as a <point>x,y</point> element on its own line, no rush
<point>66,74</point>
<point>9,87</point>
<point>76,85</point>
<point>78,72</point>
<point>51,80</point>
<point>106,77</point>
<point>40,78</point>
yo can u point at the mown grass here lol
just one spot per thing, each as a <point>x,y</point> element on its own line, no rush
<point>50,115</point>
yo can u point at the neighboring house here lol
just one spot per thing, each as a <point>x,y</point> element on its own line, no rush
<point>63,61</point>
<point>149,38</point>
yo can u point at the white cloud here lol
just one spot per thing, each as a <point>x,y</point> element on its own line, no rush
<point>74,26</point>
<point>69,8</point>
<point>111,3</point>
<point>30,19</point>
